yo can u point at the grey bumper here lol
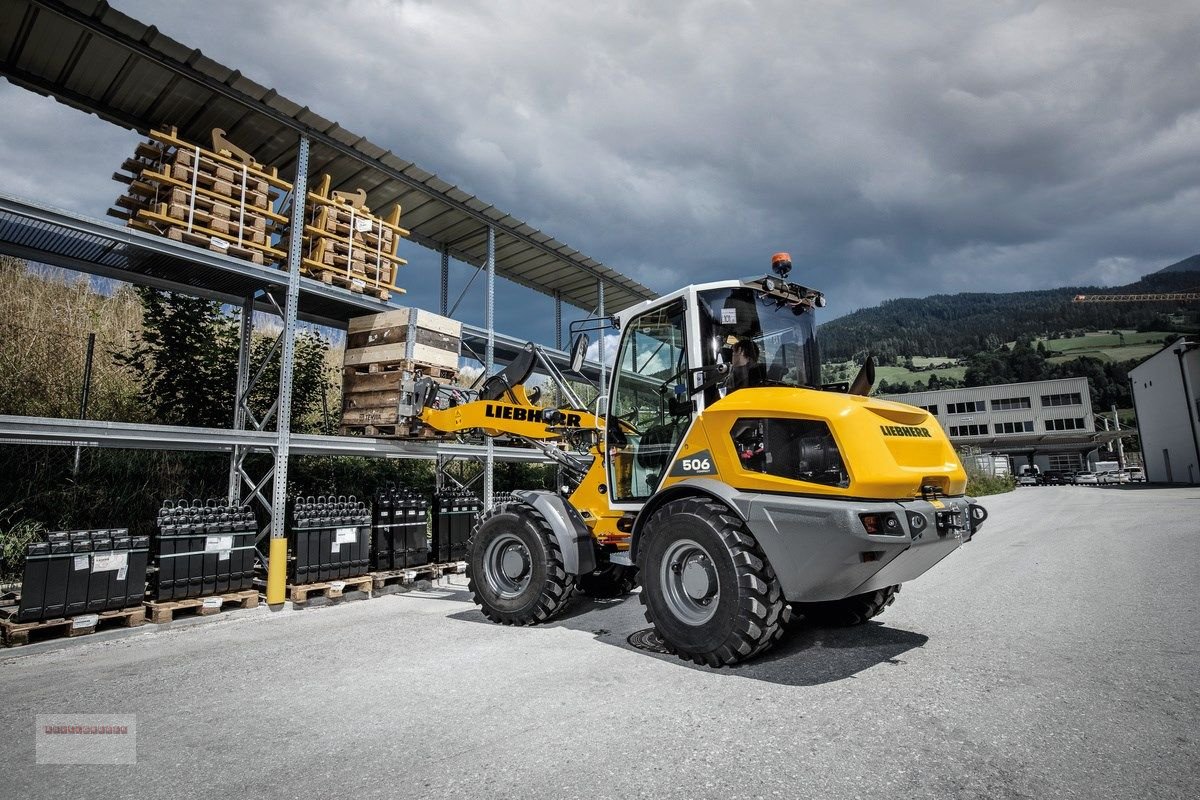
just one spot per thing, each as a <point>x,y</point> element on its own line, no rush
<point>820,549</point>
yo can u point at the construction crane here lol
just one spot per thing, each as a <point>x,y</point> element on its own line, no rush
<point>1151,297</point>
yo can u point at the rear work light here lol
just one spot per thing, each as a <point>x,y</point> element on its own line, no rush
<point>882,524</point>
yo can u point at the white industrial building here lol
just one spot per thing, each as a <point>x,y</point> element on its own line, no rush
<point>1166,399</point>
<point>1048,424</point>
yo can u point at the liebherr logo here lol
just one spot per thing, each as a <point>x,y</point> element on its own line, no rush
<point>905,430</point>
<point>522,414</point>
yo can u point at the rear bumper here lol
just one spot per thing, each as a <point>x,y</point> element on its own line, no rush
<point>820,549</point>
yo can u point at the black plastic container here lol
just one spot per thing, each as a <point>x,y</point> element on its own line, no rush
<point>330,539</point>
<point>454,513</point>
<point>203,549</point>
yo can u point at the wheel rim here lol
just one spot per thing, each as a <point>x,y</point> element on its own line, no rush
<point>691,587</point>
<point>507,565</point>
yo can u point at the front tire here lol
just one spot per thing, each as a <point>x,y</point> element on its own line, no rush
<point>849,611</point>
<point>706,584</point>
<point>515,569</point>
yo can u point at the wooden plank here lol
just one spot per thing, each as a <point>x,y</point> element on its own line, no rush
<point>399,318</point>
<point>15,634</point>
<point>397,352</point>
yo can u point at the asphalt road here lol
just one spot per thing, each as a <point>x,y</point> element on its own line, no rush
<point>1057,655</point>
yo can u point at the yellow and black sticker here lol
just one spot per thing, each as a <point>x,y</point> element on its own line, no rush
<point>697,464</point>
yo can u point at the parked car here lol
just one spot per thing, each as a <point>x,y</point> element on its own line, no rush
<point>1055,478</point>
<point>1136,475</point>
<point>1086,479</point>
<point>1027,480</point>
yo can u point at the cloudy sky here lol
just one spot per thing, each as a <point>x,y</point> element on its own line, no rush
<point>896,149</point>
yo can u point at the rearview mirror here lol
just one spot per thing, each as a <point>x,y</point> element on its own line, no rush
<point>578,351</point>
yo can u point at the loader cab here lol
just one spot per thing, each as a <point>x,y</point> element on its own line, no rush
<point>688,350</point>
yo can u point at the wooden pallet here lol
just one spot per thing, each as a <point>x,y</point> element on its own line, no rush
<point>15,634</point>
<point>166,610</point>
<point>395,580</point>
<point>357,285</point>
<point>301,594</point>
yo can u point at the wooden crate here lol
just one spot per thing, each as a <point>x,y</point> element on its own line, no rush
<point>406,334</point>
<point>371,397</point>
<point>219,199</point>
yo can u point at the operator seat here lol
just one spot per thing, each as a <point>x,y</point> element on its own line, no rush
<point>515,374</point>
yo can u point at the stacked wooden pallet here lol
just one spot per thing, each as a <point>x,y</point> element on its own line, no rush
<point>219,199</point>
<point>346,245</point>
<point>385,352</point>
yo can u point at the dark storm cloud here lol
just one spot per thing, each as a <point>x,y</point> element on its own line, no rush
<point>894,148</point>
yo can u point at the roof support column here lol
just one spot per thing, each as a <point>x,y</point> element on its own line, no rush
<point>445,280</point>
<point>558,345</point>
<point>603,332</point>
<point>277,555</point>
<point>490,356</point>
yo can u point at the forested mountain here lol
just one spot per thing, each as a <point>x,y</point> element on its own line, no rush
<point>963,324</point>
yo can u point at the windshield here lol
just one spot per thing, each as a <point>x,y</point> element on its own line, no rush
<point>765,341</point>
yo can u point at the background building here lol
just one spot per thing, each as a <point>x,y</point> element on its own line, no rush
<point>1045,423</point>
<point>1166,398</point>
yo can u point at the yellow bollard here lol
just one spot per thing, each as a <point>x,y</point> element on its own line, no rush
<point>276,571</point>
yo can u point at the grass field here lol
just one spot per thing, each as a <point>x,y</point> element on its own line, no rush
<point>905,375</point>
<point>1106,346</point>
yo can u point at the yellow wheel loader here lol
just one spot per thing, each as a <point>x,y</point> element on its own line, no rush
<point>718,470</point>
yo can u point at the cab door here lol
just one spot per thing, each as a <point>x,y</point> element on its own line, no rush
<point>650,408</point>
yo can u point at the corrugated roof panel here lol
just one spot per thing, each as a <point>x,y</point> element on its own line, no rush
<point>129,73</point>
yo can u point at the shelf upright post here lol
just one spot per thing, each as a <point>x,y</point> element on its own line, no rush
<point>239,399</point>
<point>445,280</point>
<point>277,555</point>
<point>558,344</point>
<point>603,333</point>
<point>490,357</point>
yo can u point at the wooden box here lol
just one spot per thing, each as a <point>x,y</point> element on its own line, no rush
<point>406,334</point>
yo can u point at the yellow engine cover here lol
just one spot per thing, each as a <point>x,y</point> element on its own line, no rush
<point>890,450</point>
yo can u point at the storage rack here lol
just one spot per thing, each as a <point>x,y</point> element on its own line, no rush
<point>138,77</point>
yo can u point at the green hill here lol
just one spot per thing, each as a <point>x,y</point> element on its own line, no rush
<point>961,325</point>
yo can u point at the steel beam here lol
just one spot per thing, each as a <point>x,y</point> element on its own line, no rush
<point>241,388</point>
<point>490,324</point>
<point>277,555</point>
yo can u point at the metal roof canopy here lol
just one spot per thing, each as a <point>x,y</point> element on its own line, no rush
<point>89,56</point>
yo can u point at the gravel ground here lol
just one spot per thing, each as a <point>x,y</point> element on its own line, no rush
<point>1056,655</point>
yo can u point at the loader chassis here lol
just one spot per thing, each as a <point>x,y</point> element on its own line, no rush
<point>738,487</point>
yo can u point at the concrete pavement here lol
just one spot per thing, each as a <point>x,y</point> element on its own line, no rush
<point>1056,655</point>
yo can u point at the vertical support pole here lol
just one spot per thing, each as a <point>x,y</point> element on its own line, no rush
<point>445,280</point>
<point>1120,441</point>
<point>558,342</point>
<point>490,357</point>
<point>277,555</point>
<point>603,333</point>
<point>239,397</point>
<point>86,392</point>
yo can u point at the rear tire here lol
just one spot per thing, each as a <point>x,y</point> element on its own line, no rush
<point>607,582</point>
<point>515,567</point>
<point>706,584</point>
<point>849,611</point>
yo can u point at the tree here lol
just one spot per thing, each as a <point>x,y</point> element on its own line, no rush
<point>186,362</point>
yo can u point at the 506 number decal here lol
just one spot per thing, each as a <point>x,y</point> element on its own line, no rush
<point>696,464</point>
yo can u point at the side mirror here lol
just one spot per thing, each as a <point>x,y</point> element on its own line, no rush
<point>865,378</point>
<point>578,351</point>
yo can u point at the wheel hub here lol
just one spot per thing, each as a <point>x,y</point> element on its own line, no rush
<point>507,565</point>
<point>691,586</point>
<point>514,562</point>
<point>698,578</point>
